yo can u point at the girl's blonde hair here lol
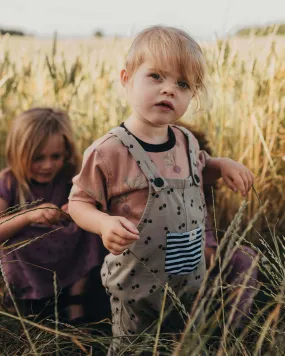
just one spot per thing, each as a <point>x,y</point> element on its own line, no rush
<point>29,132</point>
<point>169,47</point>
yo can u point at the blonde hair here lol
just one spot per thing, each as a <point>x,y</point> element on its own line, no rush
<point>169,46</point>
<point>30,130</point>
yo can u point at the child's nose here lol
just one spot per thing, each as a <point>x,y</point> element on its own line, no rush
<point>169,89</point>
<point>47,164</point>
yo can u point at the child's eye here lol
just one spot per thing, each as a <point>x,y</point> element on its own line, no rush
<point>183,85</point>
<point>56,156</point>
<point>155,76</point>
<point>38,158</point>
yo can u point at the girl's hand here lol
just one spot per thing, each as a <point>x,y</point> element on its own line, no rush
<point>118,234</point>
<point>64,208</point>
<point>236,175</point>
<point>66,216</point>
<point>44,216</point>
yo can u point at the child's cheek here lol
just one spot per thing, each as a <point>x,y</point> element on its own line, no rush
<point>60,165</point>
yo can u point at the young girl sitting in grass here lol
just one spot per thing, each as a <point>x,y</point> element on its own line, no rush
<point>141,186</point>
<point>41,238</point>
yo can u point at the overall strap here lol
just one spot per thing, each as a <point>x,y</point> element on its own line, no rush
<point>141,157</point>
<point>192,155</point>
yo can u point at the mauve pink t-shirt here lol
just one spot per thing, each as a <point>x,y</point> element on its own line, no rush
<point>112,180</point>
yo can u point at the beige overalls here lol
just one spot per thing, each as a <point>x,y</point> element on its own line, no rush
<point>170,249</point>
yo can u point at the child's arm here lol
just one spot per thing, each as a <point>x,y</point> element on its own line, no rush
<point>235,175</point>
<point>10,225</point>
<point>116,231</point>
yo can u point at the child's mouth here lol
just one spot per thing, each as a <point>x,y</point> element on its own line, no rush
<point>45,175</point>
<point>165,104</point>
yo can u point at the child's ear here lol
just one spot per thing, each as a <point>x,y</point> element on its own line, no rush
<point>124,77</point>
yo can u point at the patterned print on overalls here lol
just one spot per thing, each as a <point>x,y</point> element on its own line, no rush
<point>170,249</point>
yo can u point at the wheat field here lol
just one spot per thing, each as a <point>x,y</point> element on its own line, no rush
<point>245,120</point>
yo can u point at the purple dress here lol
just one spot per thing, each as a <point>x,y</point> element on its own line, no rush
<point>70,251</point>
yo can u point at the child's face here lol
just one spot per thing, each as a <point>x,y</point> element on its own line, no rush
<point>49,160</point>
<point>159,98</point>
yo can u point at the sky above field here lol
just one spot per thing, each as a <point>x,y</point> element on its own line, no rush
<point>203,18</point>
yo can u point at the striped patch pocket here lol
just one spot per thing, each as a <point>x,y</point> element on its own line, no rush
<point>183,251</point>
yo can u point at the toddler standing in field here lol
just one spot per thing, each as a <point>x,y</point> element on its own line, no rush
<point>140,186</point>
<point>42,159</point>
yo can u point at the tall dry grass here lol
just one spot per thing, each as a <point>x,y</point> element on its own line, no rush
<point>209,325</point>
<point>245,121</point>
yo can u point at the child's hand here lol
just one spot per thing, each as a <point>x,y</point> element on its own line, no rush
<point>118,233</point>
<point>66,216</point>
<point>236,175</point>
<point>64,208</point>
<point>44,216</point>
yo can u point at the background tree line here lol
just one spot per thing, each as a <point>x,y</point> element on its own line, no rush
<point>278,29</point>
